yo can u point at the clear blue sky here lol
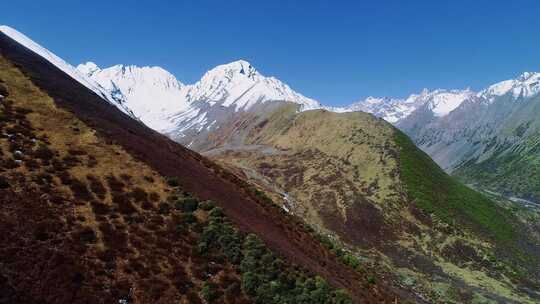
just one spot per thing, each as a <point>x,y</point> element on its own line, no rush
<point>334,51</point>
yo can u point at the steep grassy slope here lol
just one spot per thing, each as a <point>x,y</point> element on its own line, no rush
<point>493,145</point>
<point>436,192</point>
<point>513,171</point>
<point>334,163</point>
<point>362,183</point>
<point>97,208</point>
<point>80,226</point>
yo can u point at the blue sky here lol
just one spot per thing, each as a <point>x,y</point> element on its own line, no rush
<point>333,51</point>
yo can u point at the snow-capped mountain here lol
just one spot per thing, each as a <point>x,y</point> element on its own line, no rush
<point>64,66</point>
<point>390,109</point>
<point>438,103</point>
<point>442,102</point>
<point>488,136</point>
<point>164,103</point>
<point>152,93</point>
<point>526,85</point>
<point>239,85</point>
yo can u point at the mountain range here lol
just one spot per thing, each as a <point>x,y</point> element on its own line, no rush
<point>187,113</point>
<point>236,86</point>
<point>333,192</point>
<point>247,126</point>
<point>98,208</point>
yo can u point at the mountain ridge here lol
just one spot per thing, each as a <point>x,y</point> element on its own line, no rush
<point>87,127</point>
<point>63,65</point>
<point>187,120</point>
<point>236,85</point>
<point>346,173</point>
<point>219,84</point>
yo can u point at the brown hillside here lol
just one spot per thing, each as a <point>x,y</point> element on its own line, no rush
<point>81,129</point>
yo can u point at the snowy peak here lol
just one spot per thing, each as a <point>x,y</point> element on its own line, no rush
<point>526,85</point>
<point>239,84</point>
<point>63,65</point>
<point>132,75</point>
<point>390,109</point>
<point>442,102</point>
<point>159,99</point>
<point>152,93</point>
<point>235,68</point>
<point>88,68</point>
<point>439,102</point>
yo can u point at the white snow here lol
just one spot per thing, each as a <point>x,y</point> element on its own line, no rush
<point>526,85</point>
<point>238,84</point>
<point>152,93</point>
<point>161,101</point>
<point>442,102</point>
<point>88,68</point>
<point>390,109</point>
<point>61,64</point>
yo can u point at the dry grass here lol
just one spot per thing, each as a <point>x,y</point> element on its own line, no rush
<point>129,246</point>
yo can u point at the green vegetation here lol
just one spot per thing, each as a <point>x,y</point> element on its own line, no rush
<point>173,181</point>
<point>207,205</point>
<point>515,174</point>
<point>168,246</point>
<point>265,278</point>
<point>208,292</point>
<point>187,204</point>
<point>440,194</point>
<point>346,257</point>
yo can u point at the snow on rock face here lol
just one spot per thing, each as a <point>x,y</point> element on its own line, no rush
<point>390,109</point>
<point>442,102</point>
<point>238,84</point>
<point>88,68</point>
<point>161,101</point>
<point>62,65</point>
<point>526,85</point>
<point>152,93</point>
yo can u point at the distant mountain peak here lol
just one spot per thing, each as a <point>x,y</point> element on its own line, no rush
<point>239,84</point>
<point>440,102</point>
<point>152,93</point>
<point>240,66</point>
<point>525,85</point>
<point>159,99</point>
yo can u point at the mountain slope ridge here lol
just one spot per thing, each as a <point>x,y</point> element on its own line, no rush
<point>347,175</point>
<point>64,66</point>
<point>489,140</point>
<point>193,172</point>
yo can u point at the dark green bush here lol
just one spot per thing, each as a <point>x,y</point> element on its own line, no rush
<point>173,181</point>
<point>351,260</point>
<point>3,182</point>
<point>164,208</point>
<point>208,292</point>
<point>188,204</point>
<point>216,213</point>
<point>189,218</point>
<point>207,205</point>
